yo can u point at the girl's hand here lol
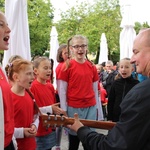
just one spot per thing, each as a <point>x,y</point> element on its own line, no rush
<point>29,132</point>
<point>33,129</point>
<point>57,110</point>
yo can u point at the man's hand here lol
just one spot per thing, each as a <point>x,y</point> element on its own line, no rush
<point>77,124</point>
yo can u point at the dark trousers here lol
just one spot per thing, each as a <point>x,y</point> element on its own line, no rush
<point>74,142</point>
<point>10,146</point>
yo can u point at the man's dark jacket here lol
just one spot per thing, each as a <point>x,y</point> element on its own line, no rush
<point>132,131</point>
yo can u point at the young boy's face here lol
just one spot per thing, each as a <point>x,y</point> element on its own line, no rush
<point>125,68</point>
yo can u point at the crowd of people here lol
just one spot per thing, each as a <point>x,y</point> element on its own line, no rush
<point>84,90</point>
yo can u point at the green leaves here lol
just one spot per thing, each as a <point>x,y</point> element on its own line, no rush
<point>92,21</point>
<point>40,15</point>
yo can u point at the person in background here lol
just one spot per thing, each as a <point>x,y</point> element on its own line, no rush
<point>120,88</point>
<point>62,56</point>
<point>44,95</point>
<point>20,73</point>
<point>103,72</point>
<point>108,77</point>
<point>104,100</point>
<point>101,91</point>
<point>103,95</point>
<point>132,129</point>
<point>6,104</point>
<point>134,73</point>
<point>99,71</point>
<point>79,85</point>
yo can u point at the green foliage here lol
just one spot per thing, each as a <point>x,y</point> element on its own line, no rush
<point>92,21</point>
<point>139,26</point>
<point>84,18</point>
<point>40,15</point>
<point>2,6</point>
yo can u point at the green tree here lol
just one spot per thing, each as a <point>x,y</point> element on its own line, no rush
<point>92,21</point>
<point>40,15</point>
<point>139,26</point>
<point>2,5</point>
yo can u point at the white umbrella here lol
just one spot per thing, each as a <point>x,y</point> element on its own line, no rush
<point>16,14</point>
<point>54,45</point>
<point>103,55</point>
<point>128,33</point>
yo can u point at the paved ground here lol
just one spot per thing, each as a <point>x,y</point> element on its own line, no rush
<point>64,141</point>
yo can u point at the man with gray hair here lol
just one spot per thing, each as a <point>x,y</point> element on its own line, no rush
<point>108,76</point>
<point>132,131</point>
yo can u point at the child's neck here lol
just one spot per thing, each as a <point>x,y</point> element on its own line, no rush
<point>41,81</point>
<point>18,90</point>
<point>80,60</point>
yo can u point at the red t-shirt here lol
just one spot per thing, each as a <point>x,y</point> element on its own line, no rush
<point>44,95</point>
<point>103,95</point>
<point>58,70</point>
<point>24,112</point>
<point>8,109</point>
<point>80,78</point>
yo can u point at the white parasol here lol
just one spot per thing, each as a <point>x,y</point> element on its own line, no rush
<point>16,14</point>
<point>128,33</point>
<point>103,55</point>
<point>54,45</point>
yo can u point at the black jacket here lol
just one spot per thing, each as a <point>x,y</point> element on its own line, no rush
<point>119,89</point>
<point>132,131</point>
<point>109,81</point>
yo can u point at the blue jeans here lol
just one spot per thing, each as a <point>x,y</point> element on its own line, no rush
<point>46,142</point>
<point>84,113</point>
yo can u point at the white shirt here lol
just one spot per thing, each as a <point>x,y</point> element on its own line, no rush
<point>1,121</point>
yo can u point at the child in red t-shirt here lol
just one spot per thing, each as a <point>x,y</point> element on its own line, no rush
<point>62,56</point>
<point>44,95</point>
<point>78,84</point>
<point>104,100</point>
<point>103,95</point>
<point>20,73</point>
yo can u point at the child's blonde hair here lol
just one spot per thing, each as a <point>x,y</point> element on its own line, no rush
<point>38,60</point>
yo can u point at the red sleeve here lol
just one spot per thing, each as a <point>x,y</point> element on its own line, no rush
<point>95,78</point>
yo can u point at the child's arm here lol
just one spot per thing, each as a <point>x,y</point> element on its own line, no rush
<point>98,102</point>
<point>53,109</point>
<point>36,120</point>
<point>62,90</point>
<point>46,109</point>
<point>25,132</point>
<point>18,133</point>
